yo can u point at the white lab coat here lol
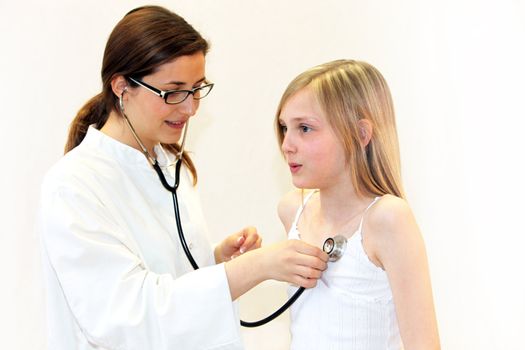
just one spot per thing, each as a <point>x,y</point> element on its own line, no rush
<point>116,275</point>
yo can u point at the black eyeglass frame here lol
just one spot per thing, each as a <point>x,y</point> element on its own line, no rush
<point>164,94</point>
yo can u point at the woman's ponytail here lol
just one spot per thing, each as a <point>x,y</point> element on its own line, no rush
<point>93,112</point>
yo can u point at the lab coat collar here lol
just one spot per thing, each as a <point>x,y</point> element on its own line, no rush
<point>123,153</point>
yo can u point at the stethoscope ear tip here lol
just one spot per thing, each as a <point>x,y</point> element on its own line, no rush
<point>334,247</point>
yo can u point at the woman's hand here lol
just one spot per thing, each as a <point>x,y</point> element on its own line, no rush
<point>291,261</point>
<point>237,244</point>
<point>295,262</point>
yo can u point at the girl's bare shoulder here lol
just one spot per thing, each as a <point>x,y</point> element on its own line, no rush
<point>288,205</point>
<point>389,211</point>
<point>390,223</point>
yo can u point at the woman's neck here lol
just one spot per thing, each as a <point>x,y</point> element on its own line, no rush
<point>117,128</point>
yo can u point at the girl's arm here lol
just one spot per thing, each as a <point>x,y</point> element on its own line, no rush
<point>395,244</point>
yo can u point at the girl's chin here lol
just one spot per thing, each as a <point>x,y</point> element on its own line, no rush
<point>302,184</point>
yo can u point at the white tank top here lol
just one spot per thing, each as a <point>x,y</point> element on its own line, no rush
<point>350,308</point>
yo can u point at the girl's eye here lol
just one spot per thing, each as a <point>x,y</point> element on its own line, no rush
<point>284,129</point>
<point>305,128</point>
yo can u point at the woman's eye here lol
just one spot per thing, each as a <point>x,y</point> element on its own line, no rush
<point>284,129</point>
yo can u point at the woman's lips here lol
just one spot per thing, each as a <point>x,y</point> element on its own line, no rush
<point>175,125</point>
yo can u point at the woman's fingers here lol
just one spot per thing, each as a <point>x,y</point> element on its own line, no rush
<point>309,250</point>
<point>251,240</point>
<point>239,243</point>
<point>298,263</point>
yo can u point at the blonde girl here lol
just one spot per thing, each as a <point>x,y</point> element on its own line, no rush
<point>336,128</point>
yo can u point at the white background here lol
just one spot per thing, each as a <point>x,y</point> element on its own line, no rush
<point>456,72</point>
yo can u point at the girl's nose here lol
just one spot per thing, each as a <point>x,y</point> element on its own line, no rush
<point>288,145</point>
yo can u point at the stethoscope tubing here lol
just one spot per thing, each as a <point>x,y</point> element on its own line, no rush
<point>173,190</point>
<point>277,313</point>
<point>187,252</point>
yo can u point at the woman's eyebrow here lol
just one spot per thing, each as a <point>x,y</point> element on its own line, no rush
<point>180,83</point>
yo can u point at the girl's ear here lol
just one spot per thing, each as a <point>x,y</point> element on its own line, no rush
<point>365,131</point>
<point>118,85</point>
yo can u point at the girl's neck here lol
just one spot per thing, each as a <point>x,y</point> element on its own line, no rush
<point>340,206</point>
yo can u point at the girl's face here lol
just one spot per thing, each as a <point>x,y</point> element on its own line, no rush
<point>314,154</point>
<point>153,119</point>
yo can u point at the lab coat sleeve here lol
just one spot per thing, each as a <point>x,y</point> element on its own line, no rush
<point>116,302</point>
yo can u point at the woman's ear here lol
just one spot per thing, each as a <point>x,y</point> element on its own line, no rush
<point>119,84</point>
<point>365,131</point>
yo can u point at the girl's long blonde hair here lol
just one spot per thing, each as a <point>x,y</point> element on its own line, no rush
<point>347,92</point>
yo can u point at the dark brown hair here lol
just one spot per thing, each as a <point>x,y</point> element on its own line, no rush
<point>143,40</point>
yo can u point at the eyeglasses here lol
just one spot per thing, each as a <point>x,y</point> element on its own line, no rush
<point>173,97</point>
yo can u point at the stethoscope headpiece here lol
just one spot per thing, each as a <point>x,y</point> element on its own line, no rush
<point>334,247</point>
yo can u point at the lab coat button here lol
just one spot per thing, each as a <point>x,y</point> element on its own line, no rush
<point>190,245</point>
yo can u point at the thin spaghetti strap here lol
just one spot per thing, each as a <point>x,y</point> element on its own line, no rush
<point>301,208</point>
<point>363,217</point>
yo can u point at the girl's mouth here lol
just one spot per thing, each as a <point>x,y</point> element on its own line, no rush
<point>294,167</point>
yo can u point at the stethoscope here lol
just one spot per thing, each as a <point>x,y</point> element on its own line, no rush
<point>334,247</point>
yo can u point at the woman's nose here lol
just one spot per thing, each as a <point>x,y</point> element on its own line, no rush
<point>189,106</point>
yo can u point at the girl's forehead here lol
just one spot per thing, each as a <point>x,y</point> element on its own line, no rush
<point>302,106</point>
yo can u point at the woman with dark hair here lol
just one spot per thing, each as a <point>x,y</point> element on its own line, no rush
<point>116,275</point>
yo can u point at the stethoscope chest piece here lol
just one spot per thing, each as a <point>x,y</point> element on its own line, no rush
<point>334,247</point>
